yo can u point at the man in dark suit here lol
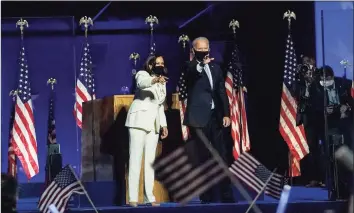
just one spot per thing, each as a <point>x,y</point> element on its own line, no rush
<point>207,109</point>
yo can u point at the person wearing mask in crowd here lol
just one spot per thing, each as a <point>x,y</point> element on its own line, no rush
<point>145,120</point>
<point>338,111</point>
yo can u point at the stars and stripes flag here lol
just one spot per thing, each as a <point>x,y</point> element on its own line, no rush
<point>85,86</point>
<point>182,99</point>
<point>23,131</point>
<point>185,175</point>
<point>292,134</point>
<point>255,175</point>
<point>60,190</point>
<point>11,156</point>
<point>236,96</point>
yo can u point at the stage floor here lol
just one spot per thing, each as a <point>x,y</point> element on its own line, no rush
<point>302,200</point>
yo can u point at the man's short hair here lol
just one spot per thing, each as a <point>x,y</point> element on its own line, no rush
<point>327,70</point>
<point>199,39</point>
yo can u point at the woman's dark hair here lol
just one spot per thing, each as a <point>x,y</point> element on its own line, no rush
<point>9,188</point>
<point>151,60</point>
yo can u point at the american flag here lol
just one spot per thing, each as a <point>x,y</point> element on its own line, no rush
<point>23,131</point>
<point>185,175</point>
<point>235,93</point>
<point>292,134</point>
<point>182,102</point>
<point>255,175</point>
<point>60,190</point>
<point>11,156</point>
<point>85,86</point>
<point>52,136</point>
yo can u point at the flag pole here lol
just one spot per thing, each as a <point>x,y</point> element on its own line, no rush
<point>262,190</point>
<point>151,20</point>
<point>22,24</point>
<point>51,82</point>
<point>234,24</point>
<point>221,163</point>
<point>83,188</point>
<point>289,15</point>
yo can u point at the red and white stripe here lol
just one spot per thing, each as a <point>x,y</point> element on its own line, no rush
<point>182,110</point>
<point>292,134</point>
<point>12,164</point>
<point>236,97</point>
<point>24,137</point>
<point>81,95</point>
<point>352,90</point>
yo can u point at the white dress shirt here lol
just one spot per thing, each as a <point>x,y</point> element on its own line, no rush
<point>210,77</point>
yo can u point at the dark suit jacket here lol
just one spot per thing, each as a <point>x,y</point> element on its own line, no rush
<point>200,95</point>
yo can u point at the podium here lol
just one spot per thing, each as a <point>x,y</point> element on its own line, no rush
<point>105,144</point>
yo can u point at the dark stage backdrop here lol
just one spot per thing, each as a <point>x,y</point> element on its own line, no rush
<point>262,43</point>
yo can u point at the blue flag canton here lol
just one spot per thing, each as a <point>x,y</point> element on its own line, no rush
<point>65,177</point>
<point>262,173</point>
<point>85,74</point>
<point>235,68</point>
<point>290,65</point>
<point>24,87</point>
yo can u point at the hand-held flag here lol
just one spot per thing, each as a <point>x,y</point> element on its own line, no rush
<point>23,131</point>
<point>85,85</point>
<point>60,190</point>
<point>254,174</point>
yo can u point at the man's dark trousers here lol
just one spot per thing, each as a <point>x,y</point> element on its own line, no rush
<point>214,132</point>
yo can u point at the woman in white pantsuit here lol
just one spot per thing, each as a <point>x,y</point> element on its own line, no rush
<point>145,119</point>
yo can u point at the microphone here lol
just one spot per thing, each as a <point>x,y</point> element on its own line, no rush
<point>53,209</point>
<point>345,156</point>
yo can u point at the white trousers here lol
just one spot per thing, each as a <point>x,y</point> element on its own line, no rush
<point>138,141</point>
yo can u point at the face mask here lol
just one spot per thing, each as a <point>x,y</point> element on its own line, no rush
<point>159,70</point>
<point>200,55</point>
<point>327,83</point>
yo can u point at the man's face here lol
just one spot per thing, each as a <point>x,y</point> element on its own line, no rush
<point>201,46</point>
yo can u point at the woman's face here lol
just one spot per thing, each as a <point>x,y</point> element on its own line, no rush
<point>160,62</point>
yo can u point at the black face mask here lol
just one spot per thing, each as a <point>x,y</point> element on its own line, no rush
<point>159,70</point>
<point>200,55</point>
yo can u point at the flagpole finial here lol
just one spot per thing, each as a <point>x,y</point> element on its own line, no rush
<point>22,24</point>
<point>87,22</point>
<point>151,20</point>
<point>184,39</point>
<point>345,63</point>
<point>289,15</point>
<point>13,92</point>
<point>134,56</point>
<point>234,24</point>
<point>52,81</point>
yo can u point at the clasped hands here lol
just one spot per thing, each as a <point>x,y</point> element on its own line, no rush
<point>159,79</point>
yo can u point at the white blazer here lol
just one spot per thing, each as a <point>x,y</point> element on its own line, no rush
<point>147,111</point>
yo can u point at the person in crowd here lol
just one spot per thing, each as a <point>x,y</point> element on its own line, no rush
<point>145,120</point>
<point>338,107</point>
<point>207,109</point>
<point>9,193</point>
<point>304,91</point>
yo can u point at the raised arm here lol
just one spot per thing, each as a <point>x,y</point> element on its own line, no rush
<point>144,80</point>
